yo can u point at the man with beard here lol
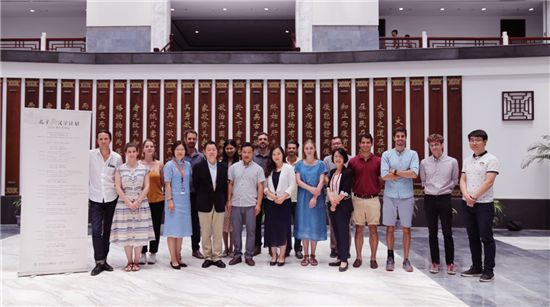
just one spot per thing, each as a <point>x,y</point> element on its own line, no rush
<point>261,155</point>
<point>399,167</point>
<point>193,157</point>
<point>291,159</point>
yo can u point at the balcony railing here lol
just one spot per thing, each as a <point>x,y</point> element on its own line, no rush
<point>52,44</point>
<point>438,42</point>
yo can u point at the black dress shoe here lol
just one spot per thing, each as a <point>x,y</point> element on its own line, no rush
<point>207,263</point>
<point>177,267</point>
<point>219,264</point>
<point>343,269</point>
<point>107,267</point>
<point>334,263</point>
<point>272,263</point>
<point>299,254</point>
<point>280,263</point>
<point>183,265</point>
<point>98,269</point>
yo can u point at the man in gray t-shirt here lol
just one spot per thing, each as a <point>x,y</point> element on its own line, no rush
<point>245,194</point>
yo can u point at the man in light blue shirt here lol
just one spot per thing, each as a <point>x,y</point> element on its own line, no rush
<point>398,169</point>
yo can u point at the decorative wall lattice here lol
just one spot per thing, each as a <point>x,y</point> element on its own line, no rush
<point>518,105</point>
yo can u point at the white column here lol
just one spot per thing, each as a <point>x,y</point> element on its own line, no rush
<point>160,23</point>
<point>304,25</point>
<point>545,18</point>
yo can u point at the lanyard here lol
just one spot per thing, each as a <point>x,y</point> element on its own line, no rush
<point>337,179</point>
<point>181,172</point>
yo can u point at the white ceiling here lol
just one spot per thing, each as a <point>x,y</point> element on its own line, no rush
<point>280,9</point>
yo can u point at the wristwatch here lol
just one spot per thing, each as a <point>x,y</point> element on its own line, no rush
<point>395,172</point>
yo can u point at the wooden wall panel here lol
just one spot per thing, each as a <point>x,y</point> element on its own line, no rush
<point>136,111</point>
<point>308,112</point>
<point>327,103</point>
<point>239,111</point>
<point>436,105</point>
<point>274,112</point>
<point>362,106</point>
<point>416,135</point>
<point>119,113</point>
<point>187,107</point>
<point>291,111</point>
<point>102,105</point>
<point>13,132</point>
<point>50,94</point>
<point>222,115</point>
<point>170,119</point>
<point>67,94</point>
<point>454,121</point>
<point>398,111</point>
<point>380,101</point>
<point>32,93</point>
<point>1,121</point>
<point>256,108</point>
<point>153,111</point>
<point>85,95</point>
<point>205,113</point>
<point>344,113</point>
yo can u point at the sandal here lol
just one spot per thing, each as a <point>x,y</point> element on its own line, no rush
<point>305,262</point>
<point>136,267</point>
<point>128,267</point>
<point>313,260</point>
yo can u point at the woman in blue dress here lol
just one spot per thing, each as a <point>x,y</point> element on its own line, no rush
<point>177,219</point>
<point>310,224</point>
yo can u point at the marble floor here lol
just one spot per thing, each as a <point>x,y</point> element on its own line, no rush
<point>522,279</point>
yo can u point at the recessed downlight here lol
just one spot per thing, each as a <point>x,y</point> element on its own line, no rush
<point>197,32</point>
<point>225,9</point>
<point>32,11</point>
<point>442,9</point>
<point>266,9</point>
<point>400,8</point>
<point>172,10</point>
<point>484,9</point>
<point>531,9</point>
<point>287,31</point>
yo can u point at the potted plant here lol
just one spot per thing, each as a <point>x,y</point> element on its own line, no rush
<point>499,212</point>
<point>17,205</point>
<point>542,152</point>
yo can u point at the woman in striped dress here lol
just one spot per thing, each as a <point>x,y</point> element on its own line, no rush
<point>132,225</point>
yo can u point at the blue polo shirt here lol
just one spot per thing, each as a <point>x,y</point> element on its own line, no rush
<point>407,160</point>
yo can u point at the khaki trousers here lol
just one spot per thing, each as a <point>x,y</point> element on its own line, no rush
<point>212,225</point>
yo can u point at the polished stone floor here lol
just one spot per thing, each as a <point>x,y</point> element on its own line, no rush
<point>522,279</point>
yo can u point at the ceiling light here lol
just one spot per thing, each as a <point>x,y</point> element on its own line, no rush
<point>266,9</point>
<point>531,9</point>
<point>197,32</point>
<point>400,8</point>
<point>172,10</point>
<point>442,9</point>
<point>484,9</point>
<point>32,11</point>
<point>287,31</point>
<point>225,9</point>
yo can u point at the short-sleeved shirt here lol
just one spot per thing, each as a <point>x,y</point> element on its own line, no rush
<point>365,175</point>
<point>407,160</point>
<point>197,158</point>
<point>259,159</point>
<point>476,169</point>
<point>102,176</point>
<point>245,183</point>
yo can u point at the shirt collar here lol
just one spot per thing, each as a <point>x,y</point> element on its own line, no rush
<point>257,153</point>
<point>474,155</point>
<point>297,159</point>
<point>440,158</point>
<point>210,165</point>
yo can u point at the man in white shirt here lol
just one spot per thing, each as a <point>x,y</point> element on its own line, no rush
<point>103,198</point>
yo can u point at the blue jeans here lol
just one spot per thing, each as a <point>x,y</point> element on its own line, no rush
<point>101,215</point>
<point>479,225</point>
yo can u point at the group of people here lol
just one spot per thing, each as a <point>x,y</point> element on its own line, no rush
<point>216,198</point>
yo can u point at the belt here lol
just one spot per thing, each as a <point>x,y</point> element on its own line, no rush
<point>437,196</point>
<point>366,196</point>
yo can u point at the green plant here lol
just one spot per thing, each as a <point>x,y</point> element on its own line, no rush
<point>542,152</point>
<point>499,212</point>
<point>455,214</point>
<point>17,205</point>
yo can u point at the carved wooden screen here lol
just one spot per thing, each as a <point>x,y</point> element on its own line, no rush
<point>256,108</point>
<point>13,130</point>
<point>454,122</point>
<point>274,112</point>
<point>170,119</point>
<point>85,101</point>
<point>362,109</point>
<point>327,110</point>
<point>153,111</point>
<point>102,105</point>
<point>291,111</point>
<point>67,94</point>
<point>31,93</point>
<point>416,134</point>
<point>119,116</point>
<point>205,113</point>
<point>136,111</point>
<point>221,123</point>
<point>309,111</point>
<point>436,105</point>
<point>50,94</point>
<point>239,112</point>
<point>380,101</point>
<point>398,110</point>
<point>344,113</point>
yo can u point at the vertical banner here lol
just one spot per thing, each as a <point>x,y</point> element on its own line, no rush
<point>102,105</point>
<point>454,122</point>
<point>13,135</point>
<point>398,105</point>
<point>344,114</point>
<point>136,111</point>
<point>222,113</point>
<point>362,107</point>
<point>50,94</point>
<point>67,94</point>
<point>119,113</point>
<point>436,105</point>
<point>239,111</point>
<point>54,215</point>
<point>380,101</point>
<point>85,100</point>
<point>170,118</point>
<point>31,93</point>
<point>205,112</point>
<point>416,135</point>
<point>153,111</point>
<point>256,108</point>
<point>274,112</point>
<point>291,111</point>
<point>308,112</point>
<point>187,106</point>
<point>327,102</point>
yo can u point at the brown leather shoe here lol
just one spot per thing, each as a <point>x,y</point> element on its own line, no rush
<point>357,263</point>
<point>257,250</point>
<point>250,261</point>
<point>197,254</point>
<point>235,260</point>
<point>373,264</point>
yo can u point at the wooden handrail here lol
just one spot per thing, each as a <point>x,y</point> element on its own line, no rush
<point>21,43</point>
<point>170,45</point>
<point>293,43</point>
<point>72,43</point>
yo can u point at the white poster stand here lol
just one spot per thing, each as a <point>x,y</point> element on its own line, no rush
<point>54,191</point>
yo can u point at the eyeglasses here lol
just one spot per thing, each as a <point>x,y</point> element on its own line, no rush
<point>476,141</point>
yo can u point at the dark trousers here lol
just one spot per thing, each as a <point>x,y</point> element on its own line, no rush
<point>157,210</point>
<point>101,215</point>
<point>297,242</point>
<point>196,236</point>
<point>479,225</point>
<point>439,207</point>
<point>340,223</point>
<point>259,218</point>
